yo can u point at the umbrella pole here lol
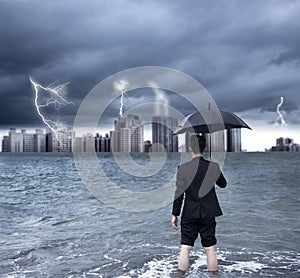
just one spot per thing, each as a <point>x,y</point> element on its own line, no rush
<point>210,146</point>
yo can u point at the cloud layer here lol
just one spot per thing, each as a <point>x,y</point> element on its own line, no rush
<point>245,53</point>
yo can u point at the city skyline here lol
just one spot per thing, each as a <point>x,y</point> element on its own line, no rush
<point>127,136</point>
<point>247,57</point>
<point>46,141</point>
<point>265,143</point>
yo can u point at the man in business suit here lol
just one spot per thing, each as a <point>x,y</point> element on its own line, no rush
<point>195,183</point>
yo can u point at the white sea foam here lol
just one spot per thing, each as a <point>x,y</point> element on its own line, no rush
<point>244,267</point>
<point>199,262</point>
<point>159,268</point>
<point>164,267</point>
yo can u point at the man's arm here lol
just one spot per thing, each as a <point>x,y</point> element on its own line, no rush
<point>176,210</point>
<point>178,198</point>
<point>221,181</point>
<point>177,205</point>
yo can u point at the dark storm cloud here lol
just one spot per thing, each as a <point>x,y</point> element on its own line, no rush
<point>245,53</point>
<point>290,56</point>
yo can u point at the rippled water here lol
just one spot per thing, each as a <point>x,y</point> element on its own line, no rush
<point>52,226</point>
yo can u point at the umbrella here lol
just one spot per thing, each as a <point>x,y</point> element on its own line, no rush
<point>209,121</point>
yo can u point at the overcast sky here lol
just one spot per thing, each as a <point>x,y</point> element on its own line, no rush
<point>245,53</point>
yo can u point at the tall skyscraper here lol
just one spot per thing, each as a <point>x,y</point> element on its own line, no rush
<point>102,143</point>
<point>216,141</point>
<point>125,142</point>
<point>89,143</point>
<point>127,135</point>
<point>28,141</point>
<point>15,141</point>
<point>62,141</point>
<point>234,142</point>
<point>5,144</point>
<point>137,139</point>
<point>39,141</point>
<point>79,144</point>
<point>105,143</point>
<point>162,134</point>
<point>115,141</point>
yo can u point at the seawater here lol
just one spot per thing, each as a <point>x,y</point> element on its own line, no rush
<point>52,226</point>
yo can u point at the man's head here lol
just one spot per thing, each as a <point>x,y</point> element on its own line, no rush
<point>198,144</point>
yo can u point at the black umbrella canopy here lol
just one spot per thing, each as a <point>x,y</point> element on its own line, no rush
<point>209,121</point>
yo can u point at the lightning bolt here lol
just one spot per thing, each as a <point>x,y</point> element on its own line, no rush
<point>280,116</point>
<point>55,97</point>
<point>120,86</point>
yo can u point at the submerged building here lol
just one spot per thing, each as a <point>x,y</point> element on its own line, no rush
<point>234,140</point>
<point>24,141</point>
<point>127,135</point>
<point>285,145</point>
<point>102,143</point>
<point>63,140</point>
<point>163,138</point>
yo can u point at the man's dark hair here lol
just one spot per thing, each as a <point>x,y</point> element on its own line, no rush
<point>198,143</point>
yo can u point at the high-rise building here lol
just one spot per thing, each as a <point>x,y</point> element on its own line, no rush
<point>15,141</point>
<point>79,144</point>
<point>39,141</point>
<point>115,141</point>
<point>89,143</point>
<point>105,143</point>
<point>127,135</point>
<point>162,134</point>
<point>234,142</point>
<point>28,141</point>
<point>5,144</point>
<point>97,142</point>
<point>215,141</point>
<point>137,139</point>
<point>102,143</point>
<point>125,142</point>
<point>63,140</point>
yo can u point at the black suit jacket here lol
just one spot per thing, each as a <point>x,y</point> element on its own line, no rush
<point>196,181</point>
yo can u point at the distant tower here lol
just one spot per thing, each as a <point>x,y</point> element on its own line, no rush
<point>15,141</point>
<point>39,141</point>
<point>115,141</point>
<point>88,143</point>
<point>234,142</point>
<point>5,144</point>
<point>62,141</point>
<point>107,147</point>
<point>127,135</point>
<point>215,141</point>
<point>162,133</point>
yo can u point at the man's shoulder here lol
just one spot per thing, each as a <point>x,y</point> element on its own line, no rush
<point>185,165</point>
<point>192,162</point>
<point>198,162</point>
